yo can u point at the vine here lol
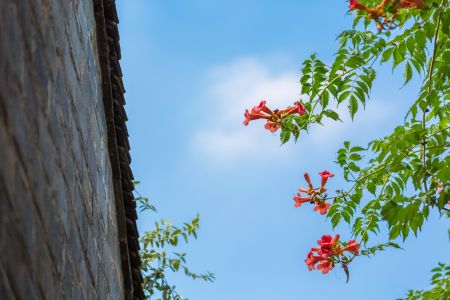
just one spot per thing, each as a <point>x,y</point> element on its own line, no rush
<point>399,178</point>
<point>159,256</point>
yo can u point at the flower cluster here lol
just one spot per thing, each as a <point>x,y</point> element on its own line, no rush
<point>331,252</point>
<point>275,117</point>
<point>314,195</point>
<point>381,12</point>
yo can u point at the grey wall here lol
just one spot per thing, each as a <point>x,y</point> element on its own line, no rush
<point>58,226</point>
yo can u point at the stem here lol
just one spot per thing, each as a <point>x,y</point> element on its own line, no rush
<point>374,57</point>
<point>380,168</point>
<point>365,231</point>
<point>336,78</point>
<point>430,81</point>
<point>439,131</point>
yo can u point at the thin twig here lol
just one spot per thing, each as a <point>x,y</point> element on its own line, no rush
<point>430,81</point>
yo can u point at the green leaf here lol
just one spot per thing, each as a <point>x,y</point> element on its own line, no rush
<point>346,216</point>
<point>343,96</point>
<point>387,54</point>
<point>408,73</point>
<point>325,99</point>
<point>355,157</point>
<point>285,136</point>
<point>353,106</point>
<point>354,167</point>
<point>394,232</point>
<point>331,114</point>
<point>335,220</point>
<point>357,149</point>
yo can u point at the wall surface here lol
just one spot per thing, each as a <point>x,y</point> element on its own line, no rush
<point>58,225</point>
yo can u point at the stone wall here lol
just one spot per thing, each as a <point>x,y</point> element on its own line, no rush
<point>58,232</point>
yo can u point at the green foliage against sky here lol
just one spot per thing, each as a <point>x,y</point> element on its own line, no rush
<point>393,181</point>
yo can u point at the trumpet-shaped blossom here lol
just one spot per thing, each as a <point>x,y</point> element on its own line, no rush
<point>322,207</point>
<point>330,253</point>
<point>411,4</point>
<point>325,266</point>
<point>253,116</point>
<point>299,200</point>
<point>314,195</point>
<point>261,111</point>
<point>261,107</point>
<point>325,175</point>
<point>298,108</point>
<point>352,247</point>
<point>311,260</point>
<point>272,126</point>
<point>274,117</point>
<point>354,4</point>
<point>384,18</point>
<point>328,245</point>
<point>308,181</point>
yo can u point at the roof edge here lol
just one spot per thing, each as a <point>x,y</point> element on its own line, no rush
<point>108,42</point>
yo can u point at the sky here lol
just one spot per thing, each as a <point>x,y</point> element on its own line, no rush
<point>190,70</point>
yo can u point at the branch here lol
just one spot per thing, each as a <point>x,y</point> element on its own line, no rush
<point>430,81</point>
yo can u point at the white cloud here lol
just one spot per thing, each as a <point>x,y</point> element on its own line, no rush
<point>241,84</point>
<point>232,88</point>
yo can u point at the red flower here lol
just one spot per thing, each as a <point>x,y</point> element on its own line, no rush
<point>312,260</point>
<point>352,247</point>
<point>411,4</point>
<point>299,200</point>
<point>299,108</point>
<point>274,118</point>
<point>325,240</point>
<point>272,126</point>
<point>261,111</point>
<point>322,207</point>
<point>325,266</point>
<point>247,117</point>
<point>308,181</point>
<point>296,109</point>
<point>329,253</point>
<point>325,175</point>
<point>328,245</point>
<point>262,107</point>
<point>354,4</point>
<point>314,194</point>
<point>253,116</point>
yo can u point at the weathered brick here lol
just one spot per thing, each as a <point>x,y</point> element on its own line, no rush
<point>58,225</point>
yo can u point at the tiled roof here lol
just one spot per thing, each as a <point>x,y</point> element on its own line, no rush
<point>119,147</point>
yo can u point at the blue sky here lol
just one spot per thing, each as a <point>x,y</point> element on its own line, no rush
<point>190,69</point>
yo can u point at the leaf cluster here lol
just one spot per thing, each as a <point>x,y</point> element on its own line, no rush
<point>440,286</point>
<point>159,256</point>
<point>394,182</point>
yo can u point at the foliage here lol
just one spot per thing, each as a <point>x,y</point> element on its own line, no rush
<point>440,286</point>
<point>158,254</point>
<point>396,180</point>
